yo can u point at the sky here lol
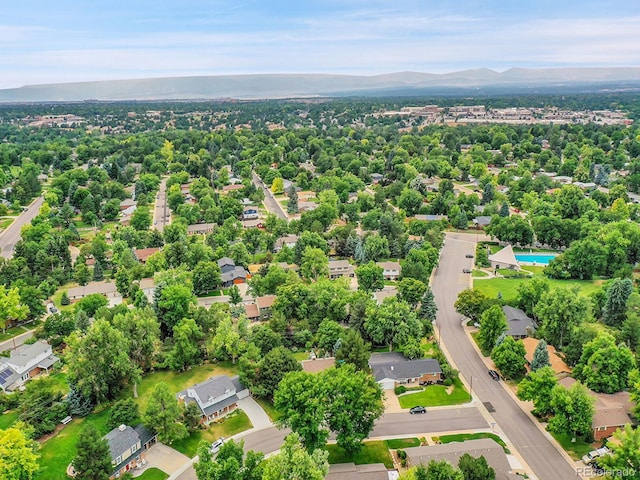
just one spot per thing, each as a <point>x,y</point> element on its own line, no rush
<point>42,41</point>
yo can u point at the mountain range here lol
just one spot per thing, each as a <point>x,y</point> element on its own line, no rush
<point>265,86</point>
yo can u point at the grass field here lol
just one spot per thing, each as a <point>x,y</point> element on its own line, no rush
<point>478,273</point>
<point>267,406</point>
<point>234,423</point>
<point>7,419</point>
<point>400,443</point>
<point>461,437</point>
<point>576,449</point>
<point>14,331</point>
<point>153,474</point>
<point>57,453</point>
<point>372,452</point>
<point>508,287</point>
<point>436,395</point>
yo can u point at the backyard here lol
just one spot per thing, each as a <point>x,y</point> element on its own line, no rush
<point>461,437</point>
<point>508,287</point>
<point>436,395</point>
<point>376,451</point>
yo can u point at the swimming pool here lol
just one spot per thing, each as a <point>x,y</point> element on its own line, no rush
<point>537,258</point>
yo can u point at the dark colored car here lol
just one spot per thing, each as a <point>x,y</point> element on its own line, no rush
<point>466,270</point>
<point>469,255</point>
<point>417,410</point>
<point>495,375</point>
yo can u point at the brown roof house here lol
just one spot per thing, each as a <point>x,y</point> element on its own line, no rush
<point>264,304</point>
<point>143,254</point>
<point>215,397</point>
<point>612,410</point>
<point>558,365</point>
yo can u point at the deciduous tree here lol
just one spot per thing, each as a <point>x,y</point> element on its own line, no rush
<point>509,358</point>
<point>295,463</point>
<point>370,278</point>
<point>538,387</point>
<point>493,323</point>
<point>163,414</point>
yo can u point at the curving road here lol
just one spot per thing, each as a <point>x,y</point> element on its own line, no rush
<point>271,204</point>
<point>11,235</point>
<point>535,447</point>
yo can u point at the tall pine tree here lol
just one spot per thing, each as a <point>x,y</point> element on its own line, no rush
<point>540,356</point>
<point>93,460</point>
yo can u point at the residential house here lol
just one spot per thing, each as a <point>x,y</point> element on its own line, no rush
<point>430,218</point>
<point>376,177</point>
<point>288,240</point>
<point>108,289</point>
<point>451,452</point>
<point>482,221</point>
<point>557,363</point>
<point>251,312</point>
<point>142,254</point>
<point>391,369</point>
<point>265,303</point>
<point>24,363</point>
<point>215,397</point>
<point>126,204</point>
<point>611,410</point>
<point>148,287</point>
<point>200,228</point>
<point>351,471</point>
<point>128,447</point>
<point>315,365</point>
<point>340,268</point>
<point>504,258</point>
<point>252,223</point>
<point>250,213</point>
<point>390,270</point>
<point>232,188</point>
<point>231,273</point>
<point>519,324</point>
<point>307,206</point>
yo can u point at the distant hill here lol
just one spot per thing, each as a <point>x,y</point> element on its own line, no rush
<point>262,86</point>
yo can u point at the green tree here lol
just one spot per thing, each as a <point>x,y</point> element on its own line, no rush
<point>93,459</point>
<point>124,281</point>
<point>314,264</point>
<point>410,200</point>
<point>560,310</point>
<point>226,343</point>
<point>615,307</point>
<point>191,416</point>
<point>292,205</point>
<point>272,368</point>
<point>428,308</point>
<point>64,299</point>
<point>441,470</point>
<point>411,290</point>
<point>370,277</point>
<point>509,358</point>
<point>471,303</point>
<point>328,334</point>
<point>393,322</point>
<point>98,361</point>
<point>173,305</point>
<point>230,463</point>
<point>141,218</point>
<point>295,463</point>
<point>81,274</point>
<point>234,295</point>
<point>529,294</point>
<point>354,350</point>
<point>604,366</point>
<point>473,468</point>
<point>123,412</point>
<point>376,247</point>
<point>277,186</point>
<point>573,411</point>
<point>206,277</point>
<point>626,455</point>
<point>538,387</point>
<point>18,457</point>
<point>186,350</point>
<point>163,413</point>
<point>11,310</point>
<point>540,356</point>
<point>493,323</point>
<point>98,272</point>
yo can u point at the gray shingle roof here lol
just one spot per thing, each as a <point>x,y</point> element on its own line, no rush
<point>121,440</point>
<point>214,387</point>
<point>406,369</point>
<point>231,275</point>
<point>519,323</point>
<point>26,354</point>
<point>351,471</point>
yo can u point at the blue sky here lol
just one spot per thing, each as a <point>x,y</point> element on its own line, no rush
<point>42,41</point>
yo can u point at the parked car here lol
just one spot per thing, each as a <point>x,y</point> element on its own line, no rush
<point>469,255</point>
<point>495,375</point>
<point>52,309</point>
<point>466,270</point>
<point>418,409</point>
<point>215,446</point>
<point>593,455</point>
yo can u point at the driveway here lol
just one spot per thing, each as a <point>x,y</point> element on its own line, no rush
<point>254,411</point>
<point>391,402</point>
<point>165,458</point>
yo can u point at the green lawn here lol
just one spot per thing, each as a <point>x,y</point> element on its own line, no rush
<point>576,449</point>
<point>372,452</point>
<point>267,406</point>
<point>461,437</point>
<point>508,287</point>
<point>234,423</point>
<point>153,474</point>
<point>57,453</point>
<point>436,395</point>
<point>12,332</point>
<point>300,356</point>
<point>7,419</point>
<point>400,443</point>
<point>5,222</point>
<point>479,273</point>
<point>178,381</point>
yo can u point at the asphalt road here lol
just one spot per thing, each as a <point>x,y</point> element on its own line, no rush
<point>269,440</point>
<point>269,202</point>
<point>16,341</point>
<point>11,235</point>
<point>536,449</point>
<point>161,212</point>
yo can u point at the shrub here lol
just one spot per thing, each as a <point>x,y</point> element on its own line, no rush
<point>400,389</point>
<point>402,455</point>
<point>64,300</point>
<point>447,382</point>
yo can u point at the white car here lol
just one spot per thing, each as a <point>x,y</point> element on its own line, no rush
<point>594,454</point>
<point>215,446</point>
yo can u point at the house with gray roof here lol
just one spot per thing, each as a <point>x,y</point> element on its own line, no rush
<point>231,273</point>
<point>341,268</point>
<point>24,363</point>
<point>519,324</point>
<point>391,369</point>
<point>351,471</point>
<point>451,452</point>
<point>215,397</point>
<point>482,221</point>
<point>128,446</point>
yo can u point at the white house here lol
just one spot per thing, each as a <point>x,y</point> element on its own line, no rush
<point>24,363</point>
<point>215,397</point>
<point>390,270</point>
